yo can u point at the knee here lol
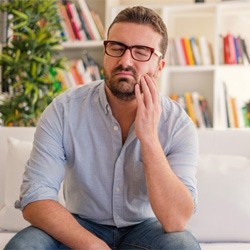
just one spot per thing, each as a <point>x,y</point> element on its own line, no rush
<point>184,241</point>
<point>31,238</point>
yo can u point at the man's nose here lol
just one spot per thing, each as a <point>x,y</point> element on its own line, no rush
<point>126,58</point>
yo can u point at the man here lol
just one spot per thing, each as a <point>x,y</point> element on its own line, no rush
<point>127,155</point>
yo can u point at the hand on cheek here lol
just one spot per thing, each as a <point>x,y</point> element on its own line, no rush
<point>148,108</point>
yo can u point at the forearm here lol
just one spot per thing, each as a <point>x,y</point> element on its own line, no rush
<point>58,222</point>
<point>170,199</point>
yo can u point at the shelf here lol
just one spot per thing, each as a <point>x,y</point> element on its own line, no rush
<point>190,68</point>
<point>82,44</point>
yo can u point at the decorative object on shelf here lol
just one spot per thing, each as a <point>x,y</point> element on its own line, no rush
<point>29,60</point>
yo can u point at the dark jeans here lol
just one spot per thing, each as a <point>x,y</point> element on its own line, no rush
<point>146,235</point>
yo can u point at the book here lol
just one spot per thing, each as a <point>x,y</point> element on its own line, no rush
<point>64,32</point>
<point>172,53</point>
<point>180,51</point>
<point>229,49</point>
<point>198,110</point>
<point>76,75</point>
<point>92,69</point>
<point>235,114</point>
<point>238,50</point>
<point>84,27</point>
<point>245,52</point>
<point>88,19</point>
<point>188,48</point>
<point>64,15</point>
<point>205,51</point>
<point>195,51</point>
<point>190,107</point>
<point>77,20</point>
<point>184,49</point>
<point>74,20</point>
<point>98,23</point>
<point>205,112</point>
<point>196,107</point>
<point>182,102</point>
<point>220,103</point>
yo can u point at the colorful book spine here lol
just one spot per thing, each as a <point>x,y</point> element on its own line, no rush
<point>88,19</point>
<point>196,107</point>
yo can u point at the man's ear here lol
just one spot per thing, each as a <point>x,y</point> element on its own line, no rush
<point>162,64</point>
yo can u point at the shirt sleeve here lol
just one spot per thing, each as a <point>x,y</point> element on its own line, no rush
<point>183,156</point>
<point>44,171</point>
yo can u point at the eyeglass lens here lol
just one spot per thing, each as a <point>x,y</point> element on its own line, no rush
<point>140,53</point>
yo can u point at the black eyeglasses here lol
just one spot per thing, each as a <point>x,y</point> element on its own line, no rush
<point>138,52</point>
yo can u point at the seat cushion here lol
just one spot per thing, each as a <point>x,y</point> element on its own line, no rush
<point>223,213</point>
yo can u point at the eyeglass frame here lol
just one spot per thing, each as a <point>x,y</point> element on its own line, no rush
<point>152,50</point>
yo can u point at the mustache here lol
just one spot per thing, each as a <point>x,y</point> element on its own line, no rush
<point>120,68</point>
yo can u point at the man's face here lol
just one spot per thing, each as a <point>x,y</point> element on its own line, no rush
<point>123,73</point>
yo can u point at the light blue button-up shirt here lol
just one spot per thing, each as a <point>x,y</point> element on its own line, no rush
<point>78,140</point>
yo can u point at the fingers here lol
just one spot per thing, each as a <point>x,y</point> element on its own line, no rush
<point>138,95</point>
<point>149,90</point>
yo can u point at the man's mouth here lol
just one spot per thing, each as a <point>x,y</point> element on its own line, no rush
<point>124,73</point>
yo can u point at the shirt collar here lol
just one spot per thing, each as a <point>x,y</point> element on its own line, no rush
<point>103,98</point>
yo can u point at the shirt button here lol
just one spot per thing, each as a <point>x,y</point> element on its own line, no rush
<point>115,128</point>
<point>117,190</point>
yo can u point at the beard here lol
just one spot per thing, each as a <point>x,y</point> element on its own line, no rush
<point>123,88</point>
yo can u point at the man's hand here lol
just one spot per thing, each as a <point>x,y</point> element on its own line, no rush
<point>148,110</point>
<point>57,221</point>
<point>170,199</point>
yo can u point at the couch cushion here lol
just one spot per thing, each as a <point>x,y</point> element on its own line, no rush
<point>225,246</point>
<point>18,154</point>
<point>224,199</point>
<point>21,133</point>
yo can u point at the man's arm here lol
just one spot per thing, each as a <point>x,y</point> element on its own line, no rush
<point>57,221</point>
<point>170,199</point>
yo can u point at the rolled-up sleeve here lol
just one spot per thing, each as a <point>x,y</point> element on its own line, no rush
<point>183,157</point>
<point>44,171</point>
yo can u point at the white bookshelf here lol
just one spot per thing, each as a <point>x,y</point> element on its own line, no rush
<point>74,50</point>
<point>210,19</point>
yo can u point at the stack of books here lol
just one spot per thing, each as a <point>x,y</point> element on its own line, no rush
<point>233,111</point>
<point>79,22</point>
<point>79,72</point>
<point>187,51</point>
<point>234,50</point>
<point>196,107</point>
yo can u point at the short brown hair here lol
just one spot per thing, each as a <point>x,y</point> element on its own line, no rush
<point>143,15</point>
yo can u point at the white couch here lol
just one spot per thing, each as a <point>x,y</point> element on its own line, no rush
<point>222,220</point>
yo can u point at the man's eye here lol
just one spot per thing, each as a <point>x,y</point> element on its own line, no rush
<point>142,51</point>
<point>116,48</point>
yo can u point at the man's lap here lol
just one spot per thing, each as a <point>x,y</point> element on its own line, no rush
<point>146,235</point>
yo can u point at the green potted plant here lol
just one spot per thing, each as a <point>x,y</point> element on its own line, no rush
<point>29,60</point>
